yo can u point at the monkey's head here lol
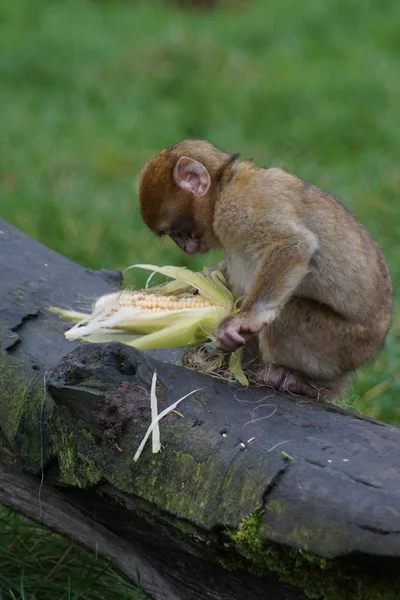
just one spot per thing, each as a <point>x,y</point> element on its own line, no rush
<point>178,190</point>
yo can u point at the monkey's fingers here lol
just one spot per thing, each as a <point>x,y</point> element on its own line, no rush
<point>229,339</point>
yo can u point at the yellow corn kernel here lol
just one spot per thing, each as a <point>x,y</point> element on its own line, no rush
<point>156,303</point>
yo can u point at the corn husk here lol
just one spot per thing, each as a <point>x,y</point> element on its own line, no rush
<point>113,319</point>
<point>155,418</point>
<point>235,367</point>
<point>156,443</point>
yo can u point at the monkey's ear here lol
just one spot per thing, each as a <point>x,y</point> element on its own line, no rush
<point>191,175</point>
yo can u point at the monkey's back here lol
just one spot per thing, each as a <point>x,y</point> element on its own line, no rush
<point>349,263</point>
<point>348,271</point>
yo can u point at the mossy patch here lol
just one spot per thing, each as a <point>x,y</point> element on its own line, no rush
<point>319,578</point>
<point>77,468</point>
<point>25,413</point>
<point>190,467</point>
<point>14,386</point>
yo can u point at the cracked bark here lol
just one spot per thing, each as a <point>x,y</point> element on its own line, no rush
<point>170,514</point>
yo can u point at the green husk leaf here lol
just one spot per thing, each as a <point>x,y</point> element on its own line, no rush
<point>235,366</point>
<point>69,315</point>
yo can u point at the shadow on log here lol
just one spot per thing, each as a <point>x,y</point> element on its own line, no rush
<point>254,496</point>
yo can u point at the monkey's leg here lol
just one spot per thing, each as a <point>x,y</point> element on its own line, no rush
<point>309,349</point>
<point>283,379</point>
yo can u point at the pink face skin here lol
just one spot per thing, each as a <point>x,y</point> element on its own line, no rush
<point>190,245</point>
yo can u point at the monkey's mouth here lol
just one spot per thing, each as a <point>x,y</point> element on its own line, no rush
<point>202,248</point>
<point>190,245</point>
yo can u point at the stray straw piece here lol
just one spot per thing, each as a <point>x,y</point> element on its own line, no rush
<point>156,444</point>
<point>157,419</point>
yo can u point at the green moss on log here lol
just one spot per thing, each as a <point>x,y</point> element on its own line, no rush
<point>77,467</point>
<point>299,534</point>
<point>25,413</point>
<point>187,468</point>
<point>190,467</point>
<point>319,578</point>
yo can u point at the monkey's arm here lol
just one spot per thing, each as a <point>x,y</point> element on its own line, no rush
<point>282,266</point>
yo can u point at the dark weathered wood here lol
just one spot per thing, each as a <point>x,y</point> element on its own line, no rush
<point>44,505</point>
<point>342,481</point>
<point>158,572</point>
<point>226,492</point>
<point>33,277</point>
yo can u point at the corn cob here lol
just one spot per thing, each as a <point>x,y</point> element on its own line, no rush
<point>159,320</point>
<point>150,302</point>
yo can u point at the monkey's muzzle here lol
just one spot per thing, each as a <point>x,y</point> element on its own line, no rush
<point>190,245</point>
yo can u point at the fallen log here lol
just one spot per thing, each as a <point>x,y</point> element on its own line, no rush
<point>254,495</point>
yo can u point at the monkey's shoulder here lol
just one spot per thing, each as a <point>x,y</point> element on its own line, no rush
<point>254,198</point>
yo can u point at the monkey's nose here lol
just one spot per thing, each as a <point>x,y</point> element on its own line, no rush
<point>191,246</point>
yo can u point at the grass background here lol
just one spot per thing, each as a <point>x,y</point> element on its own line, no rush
<point>90,90</point>
<point>35,564</point>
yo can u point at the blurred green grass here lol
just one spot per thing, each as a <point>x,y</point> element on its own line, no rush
<point>90,90</point>
<point>35,564</point>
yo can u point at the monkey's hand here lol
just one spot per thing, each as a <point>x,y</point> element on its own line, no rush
<point>221,266</point>
<point>235,331</point>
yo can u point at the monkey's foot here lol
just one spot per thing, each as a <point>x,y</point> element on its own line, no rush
<point>282,379</point>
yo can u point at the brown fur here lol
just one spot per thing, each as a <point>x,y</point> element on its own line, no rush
<point>316,286</point>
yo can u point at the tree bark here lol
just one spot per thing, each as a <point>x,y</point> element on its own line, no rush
<point>254,494</point>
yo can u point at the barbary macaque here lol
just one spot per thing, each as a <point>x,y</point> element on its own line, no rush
<point>316,287</point>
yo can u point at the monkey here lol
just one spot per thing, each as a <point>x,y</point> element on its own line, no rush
<point>315,286</point>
